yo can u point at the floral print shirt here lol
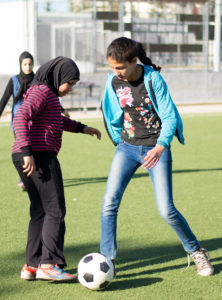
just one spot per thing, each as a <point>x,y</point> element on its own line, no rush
<point>141,122</point>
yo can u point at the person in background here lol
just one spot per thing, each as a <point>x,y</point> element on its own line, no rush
<point>39,126</point>
<point>141,120</point>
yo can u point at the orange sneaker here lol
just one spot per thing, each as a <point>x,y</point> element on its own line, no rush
<point>28,273</point>
<point>53,273</point>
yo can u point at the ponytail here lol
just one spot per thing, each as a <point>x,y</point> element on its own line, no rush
<point>144,59</point>
<point>125,49</point>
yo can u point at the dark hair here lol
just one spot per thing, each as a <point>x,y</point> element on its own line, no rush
<point>125,49</point>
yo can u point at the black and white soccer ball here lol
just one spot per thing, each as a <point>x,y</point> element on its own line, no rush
<point>95,271</point>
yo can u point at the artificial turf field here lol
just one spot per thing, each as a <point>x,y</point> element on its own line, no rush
<point>151,262</point>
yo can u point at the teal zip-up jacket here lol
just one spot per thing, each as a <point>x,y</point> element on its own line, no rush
<point>159,94</point>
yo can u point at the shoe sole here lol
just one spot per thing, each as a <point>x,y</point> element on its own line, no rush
<point>27,276</point>
<point>206,274</point>
<point>58,280</point>
<point>43,276</point>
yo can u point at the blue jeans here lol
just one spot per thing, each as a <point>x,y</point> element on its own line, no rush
<point>126,161</point>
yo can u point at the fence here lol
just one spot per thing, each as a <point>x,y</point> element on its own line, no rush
<point>176,35</point>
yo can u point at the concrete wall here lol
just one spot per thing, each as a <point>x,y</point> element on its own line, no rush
<point>185,87</point>
<point>194,87</point>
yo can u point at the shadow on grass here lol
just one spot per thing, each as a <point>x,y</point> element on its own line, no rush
<point>80,181</point>
<point>132,283</point>
<point>131,265</point>
<point>137,258</point>
<point>122,284</point>
<point>64,282</point>
<point>217,267</point>
<point>157,255</point>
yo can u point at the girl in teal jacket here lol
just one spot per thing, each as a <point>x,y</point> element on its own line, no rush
<point>141,119</point>
<point>165,108</point>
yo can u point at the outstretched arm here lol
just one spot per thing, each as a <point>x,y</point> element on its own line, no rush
<point>92,131</point>
<point>75,126</point>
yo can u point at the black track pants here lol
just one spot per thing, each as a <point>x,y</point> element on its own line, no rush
<point>47,210</point>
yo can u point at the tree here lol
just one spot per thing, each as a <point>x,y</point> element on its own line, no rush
<point>71,6</point>
<point>48,6</point>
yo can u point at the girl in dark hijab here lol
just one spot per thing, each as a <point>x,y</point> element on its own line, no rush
<point>56,72</point>
<point>18,84</point>
<point>39,125</point>
<point>26,74</point>
<point>48,74</point>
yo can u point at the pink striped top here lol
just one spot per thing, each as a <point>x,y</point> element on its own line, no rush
<point>39,124</point>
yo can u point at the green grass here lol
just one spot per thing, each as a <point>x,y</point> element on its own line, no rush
<point>151,262</point>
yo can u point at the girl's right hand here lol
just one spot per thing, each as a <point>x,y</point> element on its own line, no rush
<point>153,157</point>
<point>29,165</point>
<point>92,131</point>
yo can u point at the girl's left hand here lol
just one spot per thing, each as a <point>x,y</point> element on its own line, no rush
<point>153,157</point>
<point>29,165</point>
<point>92,131</point>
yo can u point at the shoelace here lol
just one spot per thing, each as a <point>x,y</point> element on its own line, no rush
<point>201,255</point>
<point>188,261</point>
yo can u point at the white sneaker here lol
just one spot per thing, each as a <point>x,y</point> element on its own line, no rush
<point>202,261</point>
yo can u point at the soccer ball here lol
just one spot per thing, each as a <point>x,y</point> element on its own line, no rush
<point>95,271</point>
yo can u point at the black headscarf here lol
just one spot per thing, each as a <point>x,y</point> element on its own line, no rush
<point>24,79</point>
<point>56,72</point>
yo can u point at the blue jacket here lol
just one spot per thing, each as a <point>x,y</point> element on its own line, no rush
<point>166,109</point>
<point>16,106</point>
<point>16,85</point>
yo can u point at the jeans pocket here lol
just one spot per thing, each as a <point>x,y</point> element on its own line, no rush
<point>121,142</point>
